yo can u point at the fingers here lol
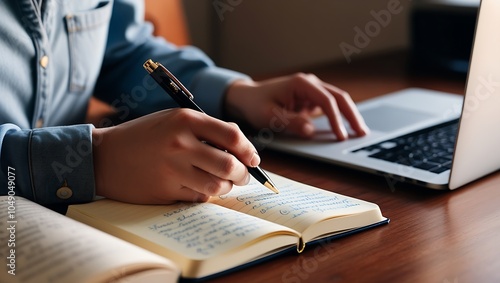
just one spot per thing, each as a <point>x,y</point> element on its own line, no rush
<point>189,182</point>
<point>333,101</point>
<point>221,159</point>
<point>182,194</point>
<point>314,91</point>
<point>201,185</point>
<point>296,123</point>
<point>220,165</point>
<point>349,109</point>
<point>228,137</point>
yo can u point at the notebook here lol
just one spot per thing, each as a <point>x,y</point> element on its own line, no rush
<point>459,135</point>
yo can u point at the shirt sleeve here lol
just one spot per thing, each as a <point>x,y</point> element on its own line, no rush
<point>125,84</point>
<point>50,165</point>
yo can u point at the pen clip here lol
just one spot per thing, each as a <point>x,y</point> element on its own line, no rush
<point>174,80</point>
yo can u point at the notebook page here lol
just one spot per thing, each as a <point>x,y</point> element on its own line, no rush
<point>194,230</point>
<point>49,247</point>
<point>296,206</point>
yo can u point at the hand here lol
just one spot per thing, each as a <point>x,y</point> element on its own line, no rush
<point>160,158</point>
<point>293,100</point>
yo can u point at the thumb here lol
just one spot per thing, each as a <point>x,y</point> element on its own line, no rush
<point>300,125</point>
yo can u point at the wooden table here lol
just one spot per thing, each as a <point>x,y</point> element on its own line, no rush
<point>433,236</point>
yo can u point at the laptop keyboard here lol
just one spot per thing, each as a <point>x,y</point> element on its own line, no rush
<point>429,149</point>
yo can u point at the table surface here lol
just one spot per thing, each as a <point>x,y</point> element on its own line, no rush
<point>433,236</point>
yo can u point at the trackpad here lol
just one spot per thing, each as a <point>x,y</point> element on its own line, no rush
<point>386,118</point>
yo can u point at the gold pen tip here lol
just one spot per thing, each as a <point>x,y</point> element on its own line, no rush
<point>271,187</point>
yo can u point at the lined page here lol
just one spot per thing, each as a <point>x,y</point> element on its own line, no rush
<point>49,247</point>
<point>296,206</point>
<point>194,230</point>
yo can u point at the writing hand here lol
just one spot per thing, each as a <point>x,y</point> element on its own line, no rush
<point>160,158</point>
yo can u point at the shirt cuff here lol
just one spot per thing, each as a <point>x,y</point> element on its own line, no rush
<point>54,165</point>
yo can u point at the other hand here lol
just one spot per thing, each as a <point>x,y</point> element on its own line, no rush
<point>295,100</point>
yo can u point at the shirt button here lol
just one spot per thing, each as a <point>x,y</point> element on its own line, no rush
<point>64,193</point>
<point>44,61</point>
<point>39,123</point>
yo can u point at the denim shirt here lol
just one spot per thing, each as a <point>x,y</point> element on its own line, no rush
<point>53,57</point>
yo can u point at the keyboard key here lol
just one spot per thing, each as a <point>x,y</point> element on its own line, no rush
<point>428,149</point>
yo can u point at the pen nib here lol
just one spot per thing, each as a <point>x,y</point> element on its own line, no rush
<point>272,187</point>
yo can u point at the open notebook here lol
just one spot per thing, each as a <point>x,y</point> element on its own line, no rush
<point>234,230</point>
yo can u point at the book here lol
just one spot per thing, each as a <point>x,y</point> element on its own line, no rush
<point>40,245</point>
<point>245,226</point>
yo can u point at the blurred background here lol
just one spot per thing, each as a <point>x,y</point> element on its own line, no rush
<point>260,37</point>
<point>358,45</point>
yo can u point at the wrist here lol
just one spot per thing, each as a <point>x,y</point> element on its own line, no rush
<point>97,144</point>
<point>236,98</point>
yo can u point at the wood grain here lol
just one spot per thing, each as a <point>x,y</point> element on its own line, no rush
<point>433,236</point>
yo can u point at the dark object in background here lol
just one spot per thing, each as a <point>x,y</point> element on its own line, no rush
<point>441,36</point>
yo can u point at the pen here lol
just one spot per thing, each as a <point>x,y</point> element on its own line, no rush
<point>185,99</point>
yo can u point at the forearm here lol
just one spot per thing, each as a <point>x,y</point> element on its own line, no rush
<point>124,83</point>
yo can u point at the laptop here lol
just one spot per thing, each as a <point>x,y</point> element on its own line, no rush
<point>429,138</point>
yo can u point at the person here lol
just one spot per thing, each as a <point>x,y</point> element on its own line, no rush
<point>57,54</point>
